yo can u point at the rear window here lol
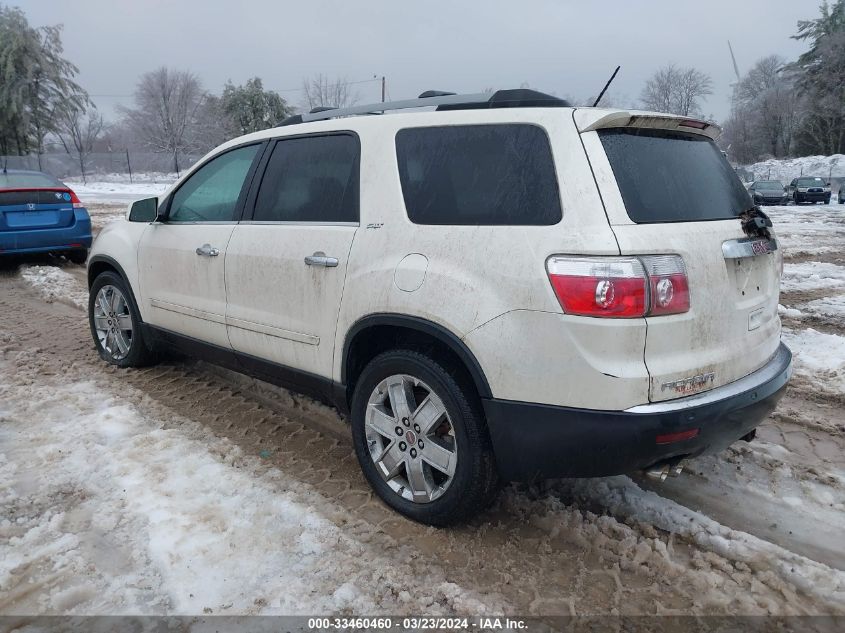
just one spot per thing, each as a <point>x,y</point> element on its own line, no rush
<point>12,180</point>
<point>478,175</point>
<point>672,176</point>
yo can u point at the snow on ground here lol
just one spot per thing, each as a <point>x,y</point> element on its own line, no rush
<point>624,498</point>
<point>54,284</point>
<point>818,357</point>
<point>116,188</point>
<point>807,230</point>
<point>812,276</point>
<point>118,512</point>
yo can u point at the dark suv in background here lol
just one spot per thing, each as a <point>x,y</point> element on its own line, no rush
<point>810,189</point>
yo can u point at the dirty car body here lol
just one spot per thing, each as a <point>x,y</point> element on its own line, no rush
<point>543,290</point>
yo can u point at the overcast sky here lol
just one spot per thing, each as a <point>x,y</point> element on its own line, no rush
<point>565,47</point>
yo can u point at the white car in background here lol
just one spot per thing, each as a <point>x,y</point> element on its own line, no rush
<point>506,288</point>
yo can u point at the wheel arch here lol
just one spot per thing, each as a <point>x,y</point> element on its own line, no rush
<point>99,264</point>
<point>376,333</point>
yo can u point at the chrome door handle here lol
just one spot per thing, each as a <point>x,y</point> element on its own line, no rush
<point>207,250</point>
<point>319,259</point>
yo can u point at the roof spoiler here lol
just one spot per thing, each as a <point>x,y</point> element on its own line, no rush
<point>589,120</point>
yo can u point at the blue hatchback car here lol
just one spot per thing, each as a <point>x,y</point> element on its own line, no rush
<point>40,214</point>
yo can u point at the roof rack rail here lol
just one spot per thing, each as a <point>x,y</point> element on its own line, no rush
<point>519,98</point>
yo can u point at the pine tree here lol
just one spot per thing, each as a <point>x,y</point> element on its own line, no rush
<point>822,81</point>
<point>251,108</point>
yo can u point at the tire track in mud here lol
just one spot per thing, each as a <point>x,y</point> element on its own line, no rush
<point>542,555</point>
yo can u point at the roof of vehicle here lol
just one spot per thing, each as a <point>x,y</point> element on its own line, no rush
<point>432,108</point>
<point>517,98</point>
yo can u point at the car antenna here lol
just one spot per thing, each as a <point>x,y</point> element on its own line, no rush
<point>603,90</point>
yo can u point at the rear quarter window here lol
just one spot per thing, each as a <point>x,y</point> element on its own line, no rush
<point>673,176</point>
<point>478,175</point>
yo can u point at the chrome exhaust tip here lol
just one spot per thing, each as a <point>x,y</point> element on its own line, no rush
<point>658,472</point>
<point>665,469</point>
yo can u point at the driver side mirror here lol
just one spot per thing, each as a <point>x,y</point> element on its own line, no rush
<point>145,210</point>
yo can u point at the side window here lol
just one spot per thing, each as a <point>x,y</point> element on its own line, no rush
<point>478,175</point>
<point>310,179</point>
<point>211,193</point>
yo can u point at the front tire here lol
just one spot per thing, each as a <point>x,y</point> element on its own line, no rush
<point>421,439</point>
<point>116,323</point>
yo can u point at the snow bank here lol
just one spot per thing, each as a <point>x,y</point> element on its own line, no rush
<point>785,169</point>
<point>54,284</point>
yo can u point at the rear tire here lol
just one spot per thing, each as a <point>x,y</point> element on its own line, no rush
<point>77,256</point>
<point>116,323</point>
<point>408,413</point>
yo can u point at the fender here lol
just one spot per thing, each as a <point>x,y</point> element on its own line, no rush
<point>445,336</point>
<point>112,263</point>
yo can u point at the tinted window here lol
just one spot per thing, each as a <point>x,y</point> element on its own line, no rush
<point>211,193</point>
<point>310,179</point>
<point>21,180</point>
<point>478,174</point>
<point>672,176</point>
<point>769,184</point>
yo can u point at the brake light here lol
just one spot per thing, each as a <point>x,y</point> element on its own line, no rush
<point>620,287</point>
<point>699,125</point>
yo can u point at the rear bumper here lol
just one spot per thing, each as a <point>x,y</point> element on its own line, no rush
<point>535,441</point>
<point>77,235</point>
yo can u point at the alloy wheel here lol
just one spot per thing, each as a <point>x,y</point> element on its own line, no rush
<point>113,322</point>
<point>411,438</point>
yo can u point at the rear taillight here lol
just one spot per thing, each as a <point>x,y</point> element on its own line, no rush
<point>620,287</point>
<point>76,203</point>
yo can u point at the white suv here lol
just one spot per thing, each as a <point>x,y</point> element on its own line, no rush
<point>504,288</point>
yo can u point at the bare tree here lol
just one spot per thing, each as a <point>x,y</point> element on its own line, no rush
<point>676,90</point>
<point>167,105</point>
<point>321,92</point>
<point>79,130</point>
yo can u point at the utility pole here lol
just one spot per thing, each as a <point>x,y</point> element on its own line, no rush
<point>382,88</point>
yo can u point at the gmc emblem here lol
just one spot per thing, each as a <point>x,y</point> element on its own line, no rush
<point>760,247</point>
